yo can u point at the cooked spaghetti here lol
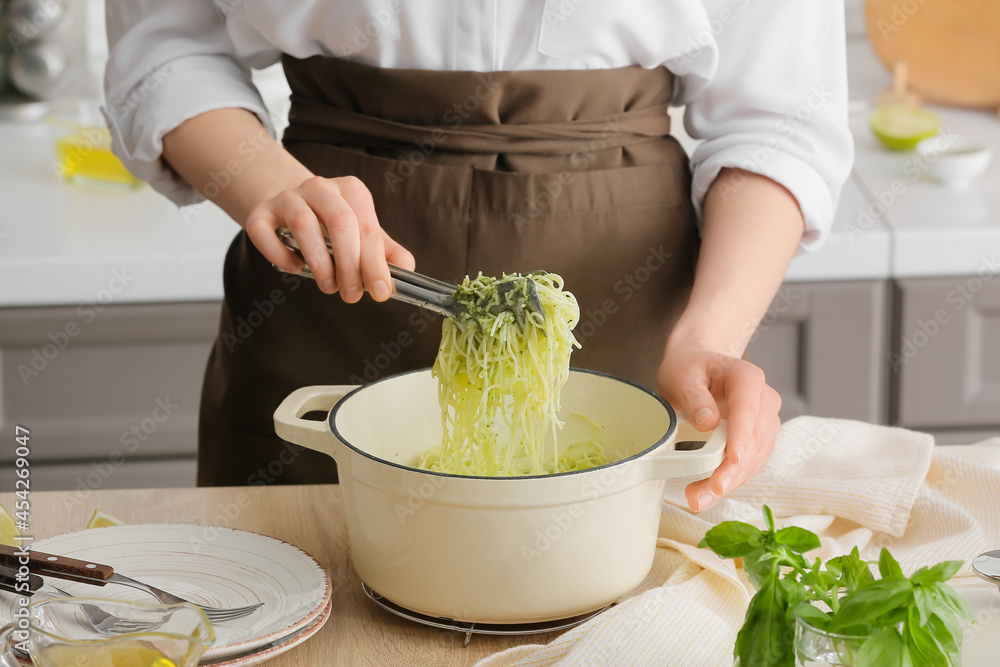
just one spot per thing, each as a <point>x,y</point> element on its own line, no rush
<point>499,381</point>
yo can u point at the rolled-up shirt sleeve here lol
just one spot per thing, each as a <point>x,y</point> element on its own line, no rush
<point>168,62</point>
<point>777,103</point>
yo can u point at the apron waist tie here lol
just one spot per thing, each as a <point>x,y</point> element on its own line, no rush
<point>318,122</point>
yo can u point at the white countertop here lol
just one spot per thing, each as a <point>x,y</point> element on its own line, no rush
<point>936,230</point>
<point>60,244</point>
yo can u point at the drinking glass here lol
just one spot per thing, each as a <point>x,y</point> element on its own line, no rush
<point>818,648</point>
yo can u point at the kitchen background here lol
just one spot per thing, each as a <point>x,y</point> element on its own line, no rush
<point>110,296</point>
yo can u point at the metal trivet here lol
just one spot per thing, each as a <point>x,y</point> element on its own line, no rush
<point>470,629</point>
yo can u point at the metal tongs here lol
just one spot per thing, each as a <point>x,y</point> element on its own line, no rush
<point>416,289</point>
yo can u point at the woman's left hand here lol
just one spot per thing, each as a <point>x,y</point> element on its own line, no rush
<point>707,386</point>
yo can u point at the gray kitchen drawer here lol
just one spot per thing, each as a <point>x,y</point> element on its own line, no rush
<point>87,384</point>
<point>945,357</point>
<point>86,477</point>
<point>821,346</point>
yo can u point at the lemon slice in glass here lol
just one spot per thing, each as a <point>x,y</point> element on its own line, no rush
<point>8,529</point>
<point>900,127</point>
<point>101,520</point>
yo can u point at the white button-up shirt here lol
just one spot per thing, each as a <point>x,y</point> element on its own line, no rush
<point>764,81</point>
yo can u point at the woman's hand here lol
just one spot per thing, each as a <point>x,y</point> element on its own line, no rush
<point>707,386</point>
<point>341,210</point>
<point>267,188</point>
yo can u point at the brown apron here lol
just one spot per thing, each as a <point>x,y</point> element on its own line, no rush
<point>573,172</point>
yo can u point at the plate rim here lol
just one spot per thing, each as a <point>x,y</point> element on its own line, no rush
<point>274,651</point>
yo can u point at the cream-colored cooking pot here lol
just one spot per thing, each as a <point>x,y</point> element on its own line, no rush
<point>499,549</point>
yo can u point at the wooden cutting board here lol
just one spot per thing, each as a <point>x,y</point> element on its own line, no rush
<point>952,47</point>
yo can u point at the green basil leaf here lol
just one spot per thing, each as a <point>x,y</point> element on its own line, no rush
<point>855,573</point>
<point>943,636</point>
<point>883,649</point>
<point>925,599</point>
<point>865,605</point>
<point>757,566</point>
<point>810,614</point>
<point>769,518</point>
<point>939,573</point>
<point>797,539</point>
<point>888,567</point>
<point>731,539</point>
<point>794,591</point>
<point>765,639</point>
<point>947,616</point>
<point>953,600</point>
<point>923,648</point>
<point>893,618</point>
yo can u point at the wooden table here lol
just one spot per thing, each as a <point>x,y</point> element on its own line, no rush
<point>357,634</point>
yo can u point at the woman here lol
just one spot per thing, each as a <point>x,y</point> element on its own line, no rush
<point>459,137</point>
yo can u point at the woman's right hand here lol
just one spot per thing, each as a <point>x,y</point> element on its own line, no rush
<point>342,210</point>
<point>268,188</point>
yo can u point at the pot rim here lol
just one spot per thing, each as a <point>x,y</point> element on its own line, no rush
<point>671,430</point>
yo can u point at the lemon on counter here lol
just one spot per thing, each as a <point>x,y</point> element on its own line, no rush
<point>8,529</point>
<point>900,127</point>
<point>101,520</point>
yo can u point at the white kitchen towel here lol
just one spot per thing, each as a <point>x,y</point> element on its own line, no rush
<point>852,483</point>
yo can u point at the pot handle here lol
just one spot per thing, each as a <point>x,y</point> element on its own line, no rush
<point>688,463</point>
<point>315,435</point>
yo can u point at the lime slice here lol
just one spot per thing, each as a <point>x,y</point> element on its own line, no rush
<point>101,520</point>
<point>900,127</point>
<point>8,529</point>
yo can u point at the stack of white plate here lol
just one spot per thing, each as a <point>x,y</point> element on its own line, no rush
<point>211,566</point>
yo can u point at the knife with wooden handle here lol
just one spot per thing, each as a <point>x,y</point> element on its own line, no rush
<point>62,567</point>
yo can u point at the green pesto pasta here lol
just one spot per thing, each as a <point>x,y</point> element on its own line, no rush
<point>498,376</point>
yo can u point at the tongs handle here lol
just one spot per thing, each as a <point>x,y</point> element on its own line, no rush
<point>408,286</point>
<point>62,567</point>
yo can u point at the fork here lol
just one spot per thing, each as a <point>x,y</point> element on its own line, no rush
<point>96,574</point>
<point>101,620</point>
